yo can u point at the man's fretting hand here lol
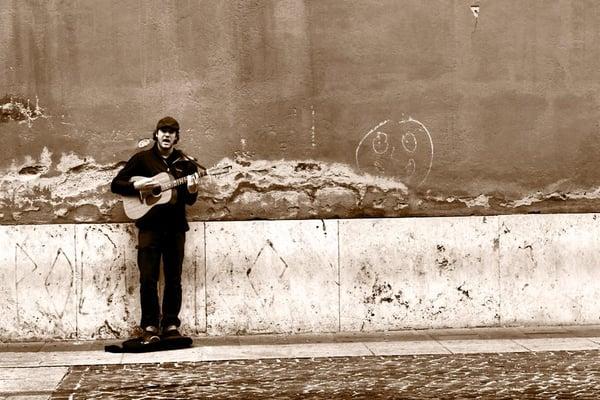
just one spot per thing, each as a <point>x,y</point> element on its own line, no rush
<point>192,183</point>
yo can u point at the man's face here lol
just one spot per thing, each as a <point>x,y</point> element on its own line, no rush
<point>165,138</point>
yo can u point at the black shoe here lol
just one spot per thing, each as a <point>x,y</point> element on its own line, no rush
<point>171,332</point>
<point>150,335</point>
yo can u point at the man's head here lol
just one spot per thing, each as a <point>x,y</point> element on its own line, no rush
<point>166,133</point>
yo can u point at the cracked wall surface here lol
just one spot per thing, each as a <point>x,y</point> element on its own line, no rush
<point>76,189</point>
<point>325,109</point>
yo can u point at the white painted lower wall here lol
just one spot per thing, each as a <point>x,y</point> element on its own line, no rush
<point>81,281</point>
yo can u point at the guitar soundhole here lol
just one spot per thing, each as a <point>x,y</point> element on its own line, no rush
<point>156,191</point>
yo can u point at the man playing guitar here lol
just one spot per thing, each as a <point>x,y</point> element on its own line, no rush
<point>162,229</point>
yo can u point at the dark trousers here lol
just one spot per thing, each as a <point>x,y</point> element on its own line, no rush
<point>152,245</point>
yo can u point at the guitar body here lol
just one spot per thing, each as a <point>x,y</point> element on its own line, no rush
<point>137,206</point>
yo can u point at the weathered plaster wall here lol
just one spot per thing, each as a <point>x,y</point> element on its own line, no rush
<point>350,275</point>
<point>326,108</point>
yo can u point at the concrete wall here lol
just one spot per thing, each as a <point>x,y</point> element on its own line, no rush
<point>80,281</point>
<point>325,108</point>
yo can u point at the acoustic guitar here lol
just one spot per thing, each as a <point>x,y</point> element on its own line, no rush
<point>138,206</point>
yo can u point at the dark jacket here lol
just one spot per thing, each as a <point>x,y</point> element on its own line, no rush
<point>147,163</point>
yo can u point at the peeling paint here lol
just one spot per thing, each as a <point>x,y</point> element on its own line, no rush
<point>21,110</point>
<point>305,188</point>
<point>479,201</point>
<point>55,190</point>
<point>68,187</point>
<point>302,174</point>
<point>554,201</point>
<point>540,196</point>
<point>78,188</point>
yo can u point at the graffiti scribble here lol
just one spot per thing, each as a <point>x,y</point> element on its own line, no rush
<point>402,149</point>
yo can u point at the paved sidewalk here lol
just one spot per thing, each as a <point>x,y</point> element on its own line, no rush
<point>35,370</point>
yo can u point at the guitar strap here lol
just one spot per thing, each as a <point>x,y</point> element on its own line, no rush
<point>192,160</point>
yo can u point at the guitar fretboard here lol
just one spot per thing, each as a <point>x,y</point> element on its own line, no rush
<point>179,181</point>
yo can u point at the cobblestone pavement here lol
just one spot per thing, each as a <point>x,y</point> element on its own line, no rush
<point>542,375</point>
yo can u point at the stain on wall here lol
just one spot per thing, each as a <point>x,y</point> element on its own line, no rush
<point>326,109</point>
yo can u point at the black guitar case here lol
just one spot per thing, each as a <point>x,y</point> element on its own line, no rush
<point>136,345</point>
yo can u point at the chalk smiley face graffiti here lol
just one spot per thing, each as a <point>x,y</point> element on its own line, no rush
<point>403,149</point>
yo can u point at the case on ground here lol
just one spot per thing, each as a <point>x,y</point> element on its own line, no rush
<point>136,345</point>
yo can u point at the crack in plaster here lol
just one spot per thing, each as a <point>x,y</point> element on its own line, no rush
<point>479,201</point>
<point>41,190</point>
<point>555,195</point>
<point>79,188</point>
<point>528,200</point>
<point>311,175</point>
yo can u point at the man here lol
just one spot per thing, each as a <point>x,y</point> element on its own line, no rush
<point>162,229</point>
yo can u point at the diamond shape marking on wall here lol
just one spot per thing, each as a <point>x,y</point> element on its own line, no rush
<point>57,287</point>
<point>261,262</point>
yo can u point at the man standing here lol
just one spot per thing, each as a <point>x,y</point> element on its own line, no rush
<point>162,230</point>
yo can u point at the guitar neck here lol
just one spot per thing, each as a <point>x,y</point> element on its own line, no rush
<point>180,181</point>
